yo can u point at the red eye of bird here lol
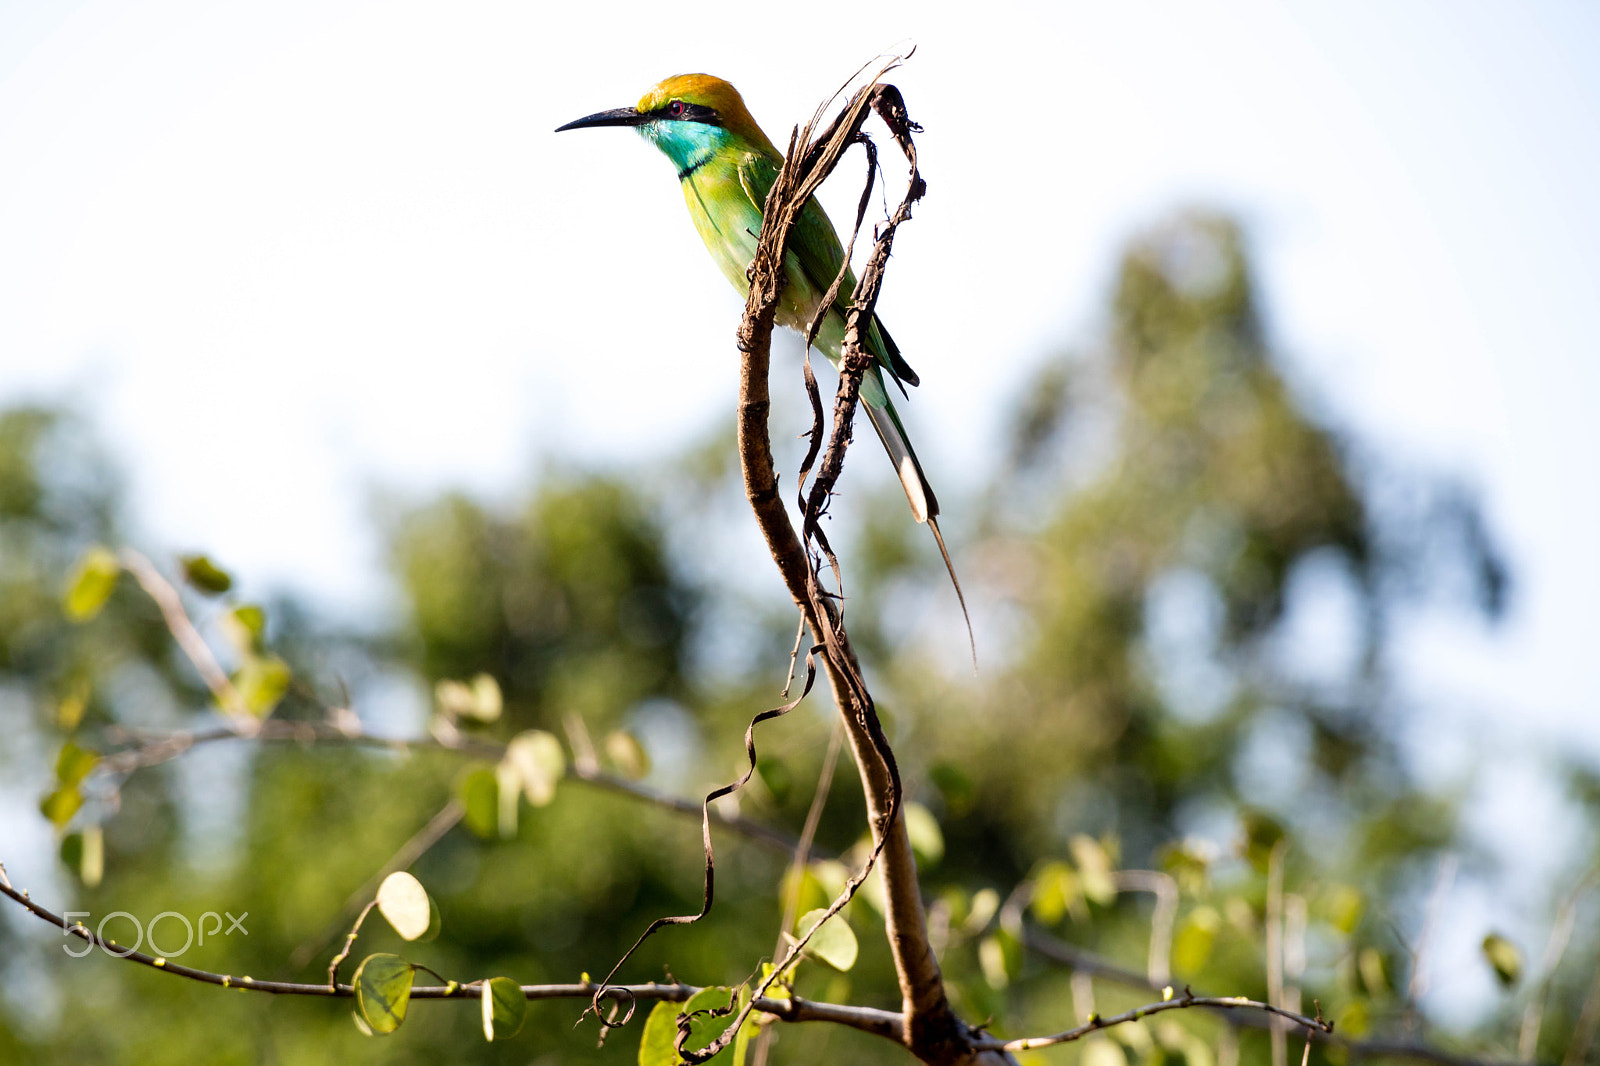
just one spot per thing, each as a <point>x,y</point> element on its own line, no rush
<point>676,110</point>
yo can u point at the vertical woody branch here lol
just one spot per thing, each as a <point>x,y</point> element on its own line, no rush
<point>932,1032</point>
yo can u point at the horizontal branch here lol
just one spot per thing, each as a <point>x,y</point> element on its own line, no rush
<point>1076,958</point>
<point>153,749</point>
<point>794,1009</point>
<point>1184,1002</point>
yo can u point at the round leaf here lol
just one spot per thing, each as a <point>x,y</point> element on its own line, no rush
<point>657,1044</point>
<point>992,960</point>
<point>91,584</point>
<point>487,703</point>
<point>505,1008</point>
<point>479,794</point>
<point>407,906</point>
<point>985,904</point>
<point>1196,935</point>
<point>69,712</point>
<point>1000,958</point>
<point>205,575</point>
<point>1094,869</point>
<point>383,988</point>
<point>1057,892</point>
<point>539,762</point>
<point>262,682</point>
<point>627,754</point>
<point>245,626</point>
<point>834,944</point>
<point>480,699</point>
<point>60,805</point>
<point>1505,957</point>
<point>74,764</point>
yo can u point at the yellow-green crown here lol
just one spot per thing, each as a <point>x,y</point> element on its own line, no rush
<point>707,91</point>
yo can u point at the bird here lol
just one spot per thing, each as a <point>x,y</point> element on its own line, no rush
<point>726,166</point>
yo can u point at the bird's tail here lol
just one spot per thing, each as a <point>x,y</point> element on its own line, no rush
<point>924,504</point>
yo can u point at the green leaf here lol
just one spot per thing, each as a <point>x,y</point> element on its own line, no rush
<point>1505,957</point>
<point>74,764</point>
<point>985,904</point>
<point>205,575</point>
<point>627,754</point>
<point>505,1008</point>
<point>383,988</point>
<point>1094,869</point>
<point>834,943</point>
<point>538,761</point>
<point>69,712</point>
<point>84,853</point>
<point>508,784</point>
<point>479,794</point>
<point>1057,892</point>
<point>408,907</point>
<point>93,580</point>
<point>657,1046</point>
<point>992,961</point>
<point>1374,974</point>
<point>480,699</point>
<point>60,805</point>
<point>487,701</point>
<point>1188,865</point>
<point>1197,933</point>
<point>92,864</point>
<point>262,682</point>
<point>812,893</point>
<point>72,850</point>
<point>741,1043</point>
<point>1262,832</point>
<point>245,627</point>
<point>926,838</point>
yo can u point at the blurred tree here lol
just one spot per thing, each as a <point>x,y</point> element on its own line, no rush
<point>572,605</point>
<point>1168,517</point>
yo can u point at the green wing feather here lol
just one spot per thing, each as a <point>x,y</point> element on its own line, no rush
<point>816,245</point>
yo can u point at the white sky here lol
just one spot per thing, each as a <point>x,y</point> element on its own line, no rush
<point>282,250</point>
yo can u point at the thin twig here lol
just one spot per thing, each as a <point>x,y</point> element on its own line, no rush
<point>1078,959</point>
<point>1183,1002</point>
<point>1555,947</point>
<point>166,597</point>
<point>1417,984</point>
<point>151,749</point>
<point>408,853</point>
<point>1588,1021</point>
<point>349,943</point>
<point>1274,947</point>
<point>867,1019</point>
<point>932,1031</point>
<point>802,856</point>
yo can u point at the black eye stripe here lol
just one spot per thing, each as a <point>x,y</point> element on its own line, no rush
<point>680,111</point>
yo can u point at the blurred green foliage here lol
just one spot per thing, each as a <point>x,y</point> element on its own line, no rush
<point>1165,510</point>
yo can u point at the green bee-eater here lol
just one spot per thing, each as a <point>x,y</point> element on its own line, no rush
<point>727,166</point>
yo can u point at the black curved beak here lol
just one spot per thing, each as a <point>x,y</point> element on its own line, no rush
<point>617,116</point>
